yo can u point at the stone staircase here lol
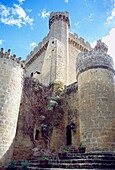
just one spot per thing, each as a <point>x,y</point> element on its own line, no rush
<point>75,160</point>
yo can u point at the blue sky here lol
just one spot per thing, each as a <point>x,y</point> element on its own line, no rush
<point>24,23</point>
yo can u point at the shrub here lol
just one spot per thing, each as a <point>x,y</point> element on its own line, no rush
<point>12,164</point>
<point>24,164</point>
<point>81,146</point>
<point>44,158</point>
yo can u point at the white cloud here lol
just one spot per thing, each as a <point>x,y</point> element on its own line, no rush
<point>90,17</point>
<point>21,1</point>
<point>1,42</point>
<point>33,44</point>
<point>113,1</point>
<point>12,21</point>
<point>4,11</point>
<point>66,1</point>
<point>14,16</point>
<point>111,17</point>
<point>77,25</point>
<point>29,10</point>
<point>45,14</point>
<point>93,44</point>
<point>109,40</point>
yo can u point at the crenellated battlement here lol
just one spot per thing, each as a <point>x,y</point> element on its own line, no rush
<point>59,16</point>
<point>101,46</point>
<point>79,43</point>
<point>35,55</point>
<point>8,55</point>
<point>95,58</point>
<point>37,51</point>
<point>11,84</point>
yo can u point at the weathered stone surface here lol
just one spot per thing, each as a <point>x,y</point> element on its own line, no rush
<point>55,56</point>
<point>59,115</point>
<point>96,97</point>
<point>11,82</point>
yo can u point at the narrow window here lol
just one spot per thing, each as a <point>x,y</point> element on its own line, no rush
<point>32,74</point>
<point>37,135</point>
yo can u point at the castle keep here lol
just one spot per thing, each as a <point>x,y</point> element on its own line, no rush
<point>61,95</point>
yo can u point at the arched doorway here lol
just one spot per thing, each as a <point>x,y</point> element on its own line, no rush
<point>68,135</point>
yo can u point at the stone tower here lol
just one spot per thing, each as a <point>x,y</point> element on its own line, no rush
<point>11,82</point>
<point>55,56</point>
<point>96,97</point>
<point>56,62</point>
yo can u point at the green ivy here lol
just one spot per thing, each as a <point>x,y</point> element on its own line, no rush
<point>59,115</point>
<point>24,164</point>
<point>12,164</point>
<point>56,123</point>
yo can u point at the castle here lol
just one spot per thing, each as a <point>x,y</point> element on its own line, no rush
<point>63,94</point>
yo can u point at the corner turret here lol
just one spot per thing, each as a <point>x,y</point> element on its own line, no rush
<point>11,83</point>
<point>96,96</point>
<point>96,58</point>
<point>59,24</point>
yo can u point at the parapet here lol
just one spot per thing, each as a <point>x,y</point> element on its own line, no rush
<point>11,57</point>
<point>96,58</point>
<point>62,16</point>
<point>40,48</point>
<point>79,42</point>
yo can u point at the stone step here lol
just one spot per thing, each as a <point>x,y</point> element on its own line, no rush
<point>75,161</point>
<point>82,156</point>
<point>82,161</point>
<point>76,165</point>
<point>34,168</point>
<point>88,157</point>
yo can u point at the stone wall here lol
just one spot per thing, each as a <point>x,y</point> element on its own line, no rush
<point>96,96</point>
<point>59,24</point>
<point>36,65</point>
<point>37,50</point>
<point>72,112</point>
<point>28,120</point>
<point>39,124</point>
<point>97,109</point>
<point>11,82</point>
<point>73,52</point>
<point>55,56</point>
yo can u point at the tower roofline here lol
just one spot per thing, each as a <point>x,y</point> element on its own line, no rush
<point>63,16</point>
<point>96,58</point>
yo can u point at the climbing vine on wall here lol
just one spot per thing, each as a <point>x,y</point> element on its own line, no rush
<point>46,104</point>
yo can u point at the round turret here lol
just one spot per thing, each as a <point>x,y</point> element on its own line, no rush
<point>96,96</point>
<point>97,58</point>
<point>11,82</point>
